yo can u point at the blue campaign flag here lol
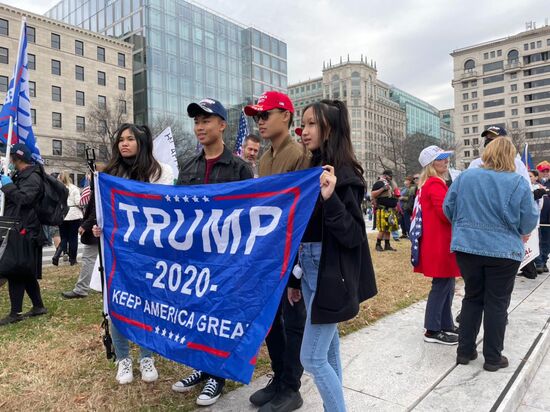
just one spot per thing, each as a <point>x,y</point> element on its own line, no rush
<point>17,104</point>
<point>196,273</point>
<point>415,231</point>
<point>241,135</point>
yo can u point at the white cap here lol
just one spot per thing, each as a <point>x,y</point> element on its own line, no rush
<point>431,153</point>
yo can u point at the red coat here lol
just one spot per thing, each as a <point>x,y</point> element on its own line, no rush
<point>436,259</point>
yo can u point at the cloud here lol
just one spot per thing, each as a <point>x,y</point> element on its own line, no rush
<point>409,39</point>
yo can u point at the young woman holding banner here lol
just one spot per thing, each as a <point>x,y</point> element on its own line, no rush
<point>334,253</point>
<point>132,158</point>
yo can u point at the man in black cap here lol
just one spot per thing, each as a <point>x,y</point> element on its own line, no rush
<point>21,195</point>
<point>214,164</point>
<point>383,195</point>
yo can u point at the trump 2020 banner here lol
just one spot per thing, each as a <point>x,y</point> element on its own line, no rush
<point>196,273</point>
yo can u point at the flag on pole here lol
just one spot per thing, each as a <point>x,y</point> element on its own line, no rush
<point>17,104</point>
<point>241,135</point>
<point>415,232</point>
<point>526,158</point>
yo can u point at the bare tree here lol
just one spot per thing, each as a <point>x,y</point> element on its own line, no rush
<point>393,151</point>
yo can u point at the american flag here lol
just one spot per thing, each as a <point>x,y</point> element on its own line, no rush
<point>85,197</point>
<point>415,232</point>
<point>241,135</point>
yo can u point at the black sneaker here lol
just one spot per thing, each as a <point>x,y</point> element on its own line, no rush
<point>35,311</point>
<point>285,400</point>
<point>72,295</point>
<point>190,382</point>
<point>211,392</point>
<point>453,331</point>
<point>545,269</point>
<point>464,359</point>
<point>379,248</point>
<point>11,318</point>
<point>264,395</point>
<point>492,367</point>
<point>441,337</point>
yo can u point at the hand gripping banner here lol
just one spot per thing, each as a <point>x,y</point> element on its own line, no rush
<point>196,273</point>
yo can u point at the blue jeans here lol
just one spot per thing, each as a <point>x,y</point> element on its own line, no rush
<point>122,345</point>
<point>438,314</point>
<point>544,245</point>
<point>320,353</point>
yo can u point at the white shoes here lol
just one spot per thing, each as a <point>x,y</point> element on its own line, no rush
<point>148,371</point>
<point>147,368</point>
<point>125,374</point>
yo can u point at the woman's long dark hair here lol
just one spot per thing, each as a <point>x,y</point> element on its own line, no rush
<point>143,167</point>
<point>332,117</point>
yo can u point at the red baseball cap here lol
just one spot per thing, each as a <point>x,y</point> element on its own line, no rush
<point>268,101</point>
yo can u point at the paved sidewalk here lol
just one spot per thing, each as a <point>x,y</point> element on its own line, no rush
<point>537,398</point>
<point>388,366</point>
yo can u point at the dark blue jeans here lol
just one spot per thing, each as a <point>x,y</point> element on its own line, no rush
<point>438,308</point>
<point>544,245</point>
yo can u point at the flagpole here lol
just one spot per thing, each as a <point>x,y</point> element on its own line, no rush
<point>7,159</point>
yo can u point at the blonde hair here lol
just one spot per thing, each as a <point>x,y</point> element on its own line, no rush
<point>499,155</point>
<point>65,178</point>
<point>427,172</point>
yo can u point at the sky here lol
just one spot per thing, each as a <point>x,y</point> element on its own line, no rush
<point>410,40</point>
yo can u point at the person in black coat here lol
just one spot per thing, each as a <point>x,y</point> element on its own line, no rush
<point>334,254</point>
<point>21,196</point>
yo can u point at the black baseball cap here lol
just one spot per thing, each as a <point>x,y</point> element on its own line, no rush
<point>22,152</point>
<point>493,131</point>
<point>207,106</point>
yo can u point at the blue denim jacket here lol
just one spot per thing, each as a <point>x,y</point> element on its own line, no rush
<point>489,211</point>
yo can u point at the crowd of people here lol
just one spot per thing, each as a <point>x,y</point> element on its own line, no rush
<point>451,223</point>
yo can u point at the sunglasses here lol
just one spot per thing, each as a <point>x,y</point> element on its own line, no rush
<point>264,115</point>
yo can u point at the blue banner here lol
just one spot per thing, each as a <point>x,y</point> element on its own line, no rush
<point>196,273</point>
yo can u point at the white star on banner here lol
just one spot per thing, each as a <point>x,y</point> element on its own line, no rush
<point>195,199</point>
<point>167,197</point>
<point>185,199</point>
<point>177,198</point>
<point>177,337</point>
<point>206,199</point>
<point>157,330</point>
<point>182,340</point>
<point>170,335</point>
<point>164,332</point>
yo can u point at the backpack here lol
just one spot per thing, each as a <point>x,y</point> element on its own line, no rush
<point>52,206</point>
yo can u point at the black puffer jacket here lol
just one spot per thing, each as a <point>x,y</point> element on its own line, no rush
<point>26,190</point>
<point>346,276</point>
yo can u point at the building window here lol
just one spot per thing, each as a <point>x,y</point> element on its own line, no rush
<point>56,93</point>
<point>466,142</point>
<point>56,41</point>
<point>80,147</point>
<point>56,67</point>
<point>33,116</point>
<point>476,152</point>
<point>514,112</point>
<point>464,96</point>
<point>79,73</point>
<point>4,27</point>
<point>101,78</point>
<point>513,56</point>
<point>514,99</point>
<point>100,54</point>
<point>31,34</point>
<point>475,141</point>
<point>499,53</point>
<point>515,125</point>
<point>78,48</point>
<point>80,98</point>
<point>532,45</point>
<point>57,147</point>
<point>465,108</point>
<point>474,118</point>
<point>466,130</point>
<point>466,119</point>
<point>469,65</point>
<point>56,120</point>
<point>4,83</point>
<point>514,87</point>
<point>4,55</point>
<point>474,95</point>
<point>31,61</point>
<point>492,55</point>
<point>513,75</point>
<point>32,89</point>
<point>121,83</point>
<point>101,102</point>
<point>466,153</point>
<point>485,56</point>
<point>493,66</point>
<point>121,60</point>
<point>474,106</point>
<point>493,115</point>
<point>539,43</point>
<point>122,104</point>
<point>473,83</point>
<point>80,126</point>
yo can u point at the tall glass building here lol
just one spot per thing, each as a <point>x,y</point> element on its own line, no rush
<point>184,52</point>
<point>422,117</point>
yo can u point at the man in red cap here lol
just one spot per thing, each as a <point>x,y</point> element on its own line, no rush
<point>544,173</point>
<point>273,114</point>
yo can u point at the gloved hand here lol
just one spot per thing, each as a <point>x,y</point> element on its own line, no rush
<point>5,180</point>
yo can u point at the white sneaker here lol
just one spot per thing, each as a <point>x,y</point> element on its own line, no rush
<point>148,371</point>
<point>125,374</point>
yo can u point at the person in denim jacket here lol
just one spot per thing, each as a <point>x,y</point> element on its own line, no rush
<point>492,212</point>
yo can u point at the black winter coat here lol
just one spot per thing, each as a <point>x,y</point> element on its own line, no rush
<point>346,276</point>
<point>26,190</point>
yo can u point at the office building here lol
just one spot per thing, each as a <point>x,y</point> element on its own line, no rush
<point>504,82</point>
<point>71,71</point>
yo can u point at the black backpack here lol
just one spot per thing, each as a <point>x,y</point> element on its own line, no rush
<point>52,206</point>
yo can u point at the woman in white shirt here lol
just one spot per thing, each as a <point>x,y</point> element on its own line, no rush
<point>68,230</point>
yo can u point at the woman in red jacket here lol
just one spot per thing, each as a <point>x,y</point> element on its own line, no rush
<point>436,260</point>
